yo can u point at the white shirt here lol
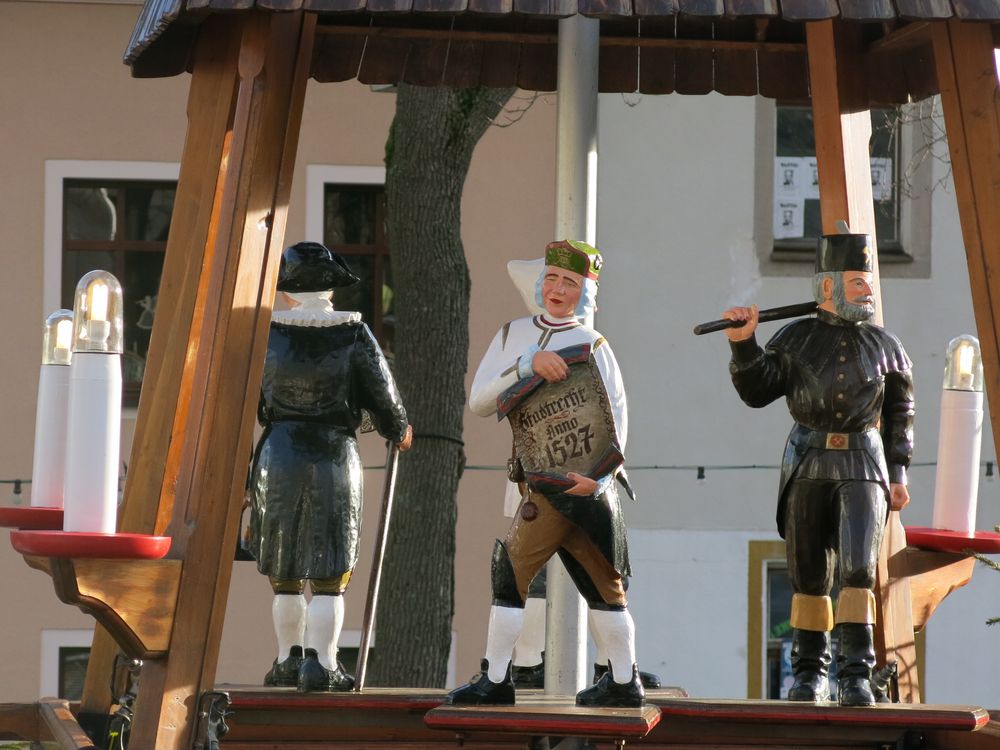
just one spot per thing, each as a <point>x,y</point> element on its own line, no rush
<point>516,343</point>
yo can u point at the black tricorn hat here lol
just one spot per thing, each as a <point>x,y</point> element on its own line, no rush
<point>843,252</point>
<point>312,267</point>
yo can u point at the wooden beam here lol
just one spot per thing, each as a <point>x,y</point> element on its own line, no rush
<point>527,37</point>
<point>163,403</point>
<point>255,68</point>
<point>963,58</point>
<point>842,124</point>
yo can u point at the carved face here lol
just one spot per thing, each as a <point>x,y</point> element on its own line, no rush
<point>856,300</point>
<point>561,290</point>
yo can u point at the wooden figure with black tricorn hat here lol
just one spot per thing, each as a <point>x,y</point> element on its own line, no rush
<point>323,368</point>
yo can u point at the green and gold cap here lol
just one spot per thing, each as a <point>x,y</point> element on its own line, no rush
<point>575,256</point>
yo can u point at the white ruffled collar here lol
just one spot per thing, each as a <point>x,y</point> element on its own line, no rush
<point>313,319</point>
<point>313,310</point>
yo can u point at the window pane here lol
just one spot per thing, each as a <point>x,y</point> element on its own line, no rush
<point>72,671</point>
<point>360,296</point>
<point>140,287</point>
<point>388,307</point>
<point>349,215</point>
<point>147,209</point>
<point>796,188</point>
<point>90,213</point>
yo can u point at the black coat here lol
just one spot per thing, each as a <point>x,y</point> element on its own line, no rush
<point>306,479</point>
<point>840,377</point>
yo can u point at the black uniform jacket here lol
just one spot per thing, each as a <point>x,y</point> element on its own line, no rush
<point>306,478</point>
<point>851,379</point>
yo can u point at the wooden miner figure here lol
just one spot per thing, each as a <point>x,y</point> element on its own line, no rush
<point>322,368</point>
<point>557,383</point>
<point>848,386</point>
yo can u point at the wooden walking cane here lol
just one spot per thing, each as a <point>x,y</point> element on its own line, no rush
<point>388,489</point>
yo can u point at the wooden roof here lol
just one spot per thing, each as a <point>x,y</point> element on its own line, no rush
<point>734,47</point>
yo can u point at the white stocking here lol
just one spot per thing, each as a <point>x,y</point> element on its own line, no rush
<point>505,627</point>
<point>531,642</point>
<point>325,619</point>
<point>617,632</point>
<point>289,614</point>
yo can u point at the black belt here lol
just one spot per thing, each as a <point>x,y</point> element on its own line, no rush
<point>833,441</point>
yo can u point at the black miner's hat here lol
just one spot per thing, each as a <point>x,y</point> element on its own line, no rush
<point>312,267</point>
<point>843,252</point>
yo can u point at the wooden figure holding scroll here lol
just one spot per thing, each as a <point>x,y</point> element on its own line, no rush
<point>322,367</point>
<point>558,384</point>
<point>848,387</point>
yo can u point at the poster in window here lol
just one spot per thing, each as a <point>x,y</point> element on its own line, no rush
<point>788,177</point>
<point>788,215</point>
<point>810,182</point>
<point>881,178</point>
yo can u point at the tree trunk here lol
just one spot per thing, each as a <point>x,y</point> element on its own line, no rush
<point>430,146</point>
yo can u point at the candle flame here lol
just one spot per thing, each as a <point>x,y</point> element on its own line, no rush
<point>965,357</point>
<point>98,301</point>
<point>64,334</point>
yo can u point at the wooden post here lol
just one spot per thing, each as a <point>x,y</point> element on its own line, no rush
<point>842,124</point>
<point>967,79</point>
<point>196,417</point>
<point>148,502</point>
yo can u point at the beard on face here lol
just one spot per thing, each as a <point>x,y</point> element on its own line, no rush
<point>854,312</point>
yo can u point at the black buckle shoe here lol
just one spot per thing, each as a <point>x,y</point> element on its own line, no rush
<point>649,680</point>
<point>529,677</point>
<point>607,692</point>
<point>481,691</point>
<point>313,677</point>
<point>855,691</point>
<point>286,672</point>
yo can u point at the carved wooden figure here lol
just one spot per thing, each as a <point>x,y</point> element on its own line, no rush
<point>848,387</point>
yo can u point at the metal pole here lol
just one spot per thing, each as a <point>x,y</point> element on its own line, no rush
<point>388,490</point>
<point>576,219</point>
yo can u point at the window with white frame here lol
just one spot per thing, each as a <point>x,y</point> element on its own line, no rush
<point>345,210</point>
<point>788,217</point>
<point>65,654</point>
<point>112,216</point>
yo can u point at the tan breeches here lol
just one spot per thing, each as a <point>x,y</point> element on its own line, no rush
<point>530,544</point>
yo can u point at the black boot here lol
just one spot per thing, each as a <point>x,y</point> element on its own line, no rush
<point>285,673</point>
<point>607,692</point>
<point>314,677</point>
<point>481,691</point>
<point>855,662</point>
<point>649,680</point>
<point>529,677</point>
<point>810,666</point>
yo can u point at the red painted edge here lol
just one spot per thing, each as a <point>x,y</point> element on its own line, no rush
<point>31,517</point>
<point>573,726</point>
<point>944,540</point>
<point>91,545</point>
<point>887,716</point>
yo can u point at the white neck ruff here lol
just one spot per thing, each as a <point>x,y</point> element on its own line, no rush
<point>314,310</point>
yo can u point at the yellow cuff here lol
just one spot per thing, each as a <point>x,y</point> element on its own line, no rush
<point>812,612</point>
<point>856,605</point>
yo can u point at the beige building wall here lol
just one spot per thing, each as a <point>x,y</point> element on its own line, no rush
<point>65,95</point>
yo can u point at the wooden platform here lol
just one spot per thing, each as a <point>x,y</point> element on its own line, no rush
<point>410,719</point>
<point>540,714</point>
